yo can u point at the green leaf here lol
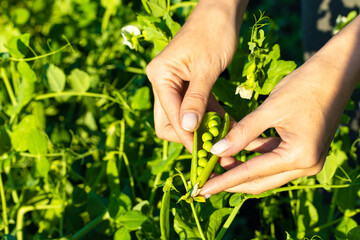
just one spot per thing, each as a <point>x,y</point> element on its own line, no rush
<point>21,134</point>
<point>236,199</point>
<point>288,236</point>
<point>347,198</point>
<point>344,227</point>
<point>56,78</point>
<point>274,54</point>
<point>119,204</point>
<point>277,70</point>
<point>24,95</point>
<point>158,8</point>
<point>26,72</point>
<point>18,46</point>
<point>113,174</point>
<point>172,25</point>
<point>354,234</point>
<point>42,167</point>
<point>122,234</point>
<point>132,220</point>
<point>20,15</point>
<point>160,165</point>
<point>5,141</point>
<point>215,220</point>
<point>141,99</point>
<point>119,201</point>
<point>79,80</point>
<point>219,200</point>
<point>328,171</point>
<point>37,142</point>
<point>185,230</point>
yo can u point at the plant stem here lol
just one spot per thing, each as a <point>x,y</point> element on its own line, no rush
<point>293,205</point>
<point>87,228</point>
<point>197,221</point>
<point>228,222</point>
<point>135,70</point>
<point>39,57</point>
<point>25,154</point>
<point>20,217</point>
<point>184,157</point>
<point>329,224</point>
<point>8,87</point>
<point>131,178</point>
<point>3,205</point>
<point>124,156</point>
<point>159,175</point>
<point>83,94</point>
<point>14,79</point>
<point>332,205</point>
<point>284,189</point>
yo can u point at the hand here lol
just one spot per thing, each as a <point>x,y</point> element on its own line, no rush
<point>183,74</point>
<point>305,109</point>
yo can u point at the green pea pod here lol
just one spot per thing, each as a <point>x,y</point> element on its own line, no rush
<point>198,143</point>
<point>165,210</point>
<point>194,159</point>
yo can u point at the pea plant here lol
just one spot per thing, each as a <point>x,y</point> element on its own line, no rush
<point>79,158</point>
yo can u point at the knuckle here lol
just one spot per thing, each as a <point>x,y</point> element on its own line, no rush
<point>149,69</point>
<point>160,134</point>
<point>255,189</point>
<point>240,129</point>
<point>315,169</point>
<point>311,161</point>
<point>152,68</point>
<point>196,98</point>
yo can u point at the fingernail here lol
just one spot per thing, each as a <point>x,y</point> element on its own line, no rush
<point>220,146</point>
<point>206,196</point>
<point>189,121</point>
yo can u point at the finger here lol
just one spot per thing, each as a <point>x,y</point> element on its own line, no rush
<point>163,128</point>
<point>195,102</point>
<point>229,162</point>
<point>170,100</point>
<point>214,105</point>
<point>258,167</point>
<point>242,133</point>
<point>263,145</point>
<point>267,183</point>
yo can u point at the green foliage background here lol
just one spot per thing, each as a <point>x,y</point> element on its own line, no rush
<point>79,158</point>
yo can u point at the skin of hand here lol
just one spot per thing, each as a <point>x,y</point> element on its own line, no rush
<point>305,109</point>
<point>183,74</point>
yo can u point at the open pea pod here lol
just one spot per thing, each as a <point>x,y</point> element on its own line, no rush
<point>212,129</point>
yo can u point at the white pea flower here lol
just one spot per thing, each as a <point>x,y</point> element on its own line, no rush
<point>244,92</point>
<point>127,32</point>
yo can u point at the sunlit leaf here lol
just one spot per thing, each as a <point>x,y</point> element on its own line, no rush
<point>56,78</point>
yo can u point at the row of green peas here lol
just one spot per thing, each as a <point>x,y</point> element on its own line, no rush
<point>207,138</point>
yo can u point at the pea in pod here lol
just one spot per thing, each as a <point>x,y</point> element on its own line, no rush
<point>211,130</point>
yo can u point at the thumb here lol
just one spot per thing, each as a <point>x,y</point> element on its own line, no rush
<point>194,103</point>
<point>242,133</point>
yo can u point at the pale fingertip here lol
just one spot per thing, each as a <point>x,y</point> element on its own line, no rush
<point>189,121</point>
<point>220,147</point>
<point>206,196</point>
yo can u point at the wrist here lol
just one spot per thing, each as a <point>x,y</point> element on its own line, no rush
<point>340,57</point>
<point>230,10</point>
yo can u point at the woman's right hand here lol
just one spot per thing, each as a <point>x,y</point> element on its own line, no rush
<point>183,74</point>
